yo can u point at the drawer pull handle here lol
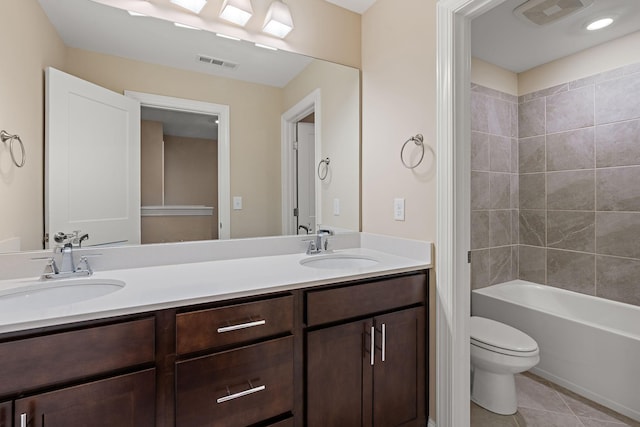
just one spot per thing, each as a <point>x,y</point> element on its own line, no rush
<point>23,420</point>
<point>384,341</point>
<point>241,394</point>
<point>241,326</point>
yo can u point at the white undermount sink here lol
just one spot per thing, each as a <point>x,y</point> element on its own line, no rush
<point>44,294</point>
<point>339,261</point>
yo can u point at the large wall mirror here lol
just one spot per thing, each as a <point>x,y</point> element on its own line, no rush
<point>267,94</point>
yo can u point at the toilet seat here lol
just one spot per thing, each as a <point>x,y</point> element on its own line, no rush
<point>500,338</point>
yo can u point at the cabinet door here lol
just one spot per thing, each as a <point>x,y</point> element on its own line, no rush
<point>338,362</point>
<point>399,380</point>
<point>5,414</point>
<point>124,401</point>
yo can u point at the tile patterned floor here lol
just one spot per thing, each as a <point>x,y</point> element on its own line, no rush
<point>544,404</point>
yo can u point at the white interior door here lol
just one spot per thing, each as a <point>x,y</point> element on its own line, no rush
<point>306,177</point>
<point>92,161</point>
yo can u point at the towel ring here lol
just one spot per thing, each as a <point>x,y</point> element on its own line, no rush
<point>326,168</point>
<point>5,136</point>
<point>419,141</point>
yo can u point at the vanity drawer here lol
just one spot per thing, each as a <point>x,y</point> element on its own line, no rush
<point>5,414</point>
<point>235,324</point>
<point>52,359</point>
<point>237,387</point>
<point>330,305</point>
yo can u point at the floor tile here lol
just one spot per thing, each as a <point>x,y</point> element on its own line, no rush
<point>536,393</point>
<point>480,417</point>
<point>541,418</point>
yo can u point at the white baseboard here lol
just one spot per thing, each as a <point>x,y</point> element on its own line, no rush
<point>431,423</point>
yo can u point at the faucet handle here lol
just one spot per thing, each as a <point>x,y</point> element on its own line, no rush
<point>51,268</point>
<point>87,267</point>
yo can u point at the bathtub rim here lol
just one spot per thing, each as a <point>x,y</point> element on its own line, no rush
<point>487,291</point>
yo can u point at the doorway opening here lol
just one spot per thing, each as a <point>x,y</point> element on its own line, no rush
<point>193,125</point>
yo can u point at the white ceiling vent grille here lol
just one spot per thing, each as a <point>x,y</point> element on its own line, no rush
<point>543,12</point>
<point>216,62</point>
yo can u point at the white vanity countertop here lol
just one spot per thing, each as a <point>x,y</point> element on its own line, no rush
<point>165,286</point>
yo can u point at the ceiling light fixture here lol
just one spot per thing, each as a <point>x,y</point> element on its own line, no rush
<point>194,6</point>
<point>278,21</point>
<point>236,11</point>
<point>599,24</point>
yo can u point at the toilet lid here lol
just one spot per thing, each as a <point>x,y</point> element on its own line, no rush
<point>500,336</point>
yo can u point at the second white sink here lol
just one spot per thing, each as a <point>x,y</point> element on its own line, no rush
<point>42,295</point>
<point>339,261</point>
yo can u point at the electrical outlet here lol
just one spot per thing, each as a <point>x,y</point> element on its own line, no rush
<point>398,209</point>
<point>237,203</point>
<point>336,207</point>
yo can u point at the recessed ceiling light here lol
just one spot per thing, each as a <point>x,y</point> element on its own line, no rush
<point>194,6</point>
<point>599,24</point>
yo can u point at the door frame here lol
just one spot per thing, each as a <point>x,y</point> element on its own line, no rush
<point>453,301</point>
<point>224,160</point>
<point>307,105</point>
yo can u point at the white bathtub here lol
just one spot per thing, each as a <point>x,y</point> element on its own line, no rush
<point>587,344</point>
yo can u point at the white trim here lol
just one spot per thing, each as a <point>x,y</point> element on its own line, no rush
<point>224,160</point>
<point>431,423</point>
<point>176,210</point>
<point>309,104</point>
<point>453,201</point>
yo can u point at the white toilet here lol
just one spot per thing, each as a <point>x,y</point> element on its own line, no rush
<point>498,351</point>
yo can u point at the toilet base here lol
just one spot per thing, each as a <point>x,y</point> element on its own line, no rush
<point>494,392</point>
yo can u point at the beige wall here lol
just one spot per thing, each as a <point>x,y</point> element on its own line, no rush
<point>489,75</point>
<point>340,133</point>
<point>254,127</point>
<point>28,44</point>
<point>398,101</point>
<point>604,57</point>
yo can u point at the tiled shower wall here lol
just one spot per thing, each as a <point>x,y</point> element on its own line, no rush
<point>579,190</point>
<point>494,187</point>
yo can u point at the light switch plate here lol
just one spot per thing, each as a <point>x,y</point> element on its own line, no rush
<point>398,209</point>
<point>336,207</point>
<point>237,203</point>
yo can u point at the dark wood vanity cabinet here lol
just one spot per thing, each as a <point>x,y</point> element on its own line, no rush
<point>370,371</point>
<point>299,358</point>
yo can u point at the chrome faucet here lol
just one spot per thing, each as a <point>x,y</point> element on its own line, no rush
<point>320,243</point>
<point>68,267</point>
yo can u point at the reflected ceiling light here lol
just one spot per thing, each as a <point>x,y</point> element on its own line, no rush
<point>236,11</point>
<point>599,24</point>
<point>189,27</point>
<point>264,46</point>
<point>194,6</point>
<point>224,36</point>
<point>278,21</point>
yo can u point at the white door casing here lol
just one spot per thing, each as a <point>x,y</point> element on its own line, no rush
<point>306,176</point>
<point>453,63</point>
<point>224,159</point>
<point>92,161</point>
<point>309,104</point>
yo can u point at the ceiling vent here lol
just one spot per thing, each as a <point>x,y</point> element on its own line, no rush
<point>543,12</point>
<point>216,62</point>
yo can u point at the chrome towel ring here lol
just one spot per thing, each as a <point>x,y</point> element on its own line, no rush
<point>5,136</point>
<point>419,141</point>
<point>326,162</point>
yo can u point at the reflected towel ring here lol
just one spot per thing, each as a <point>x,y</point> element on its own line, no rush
<point>419,141</point>
<point>5,136</point>
<point>326,168</point>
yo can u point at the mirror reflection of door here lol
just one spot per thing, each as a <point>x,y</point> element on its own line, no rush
<point>305,176</point>
<point>179,175</point>
<point>92,162</point>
